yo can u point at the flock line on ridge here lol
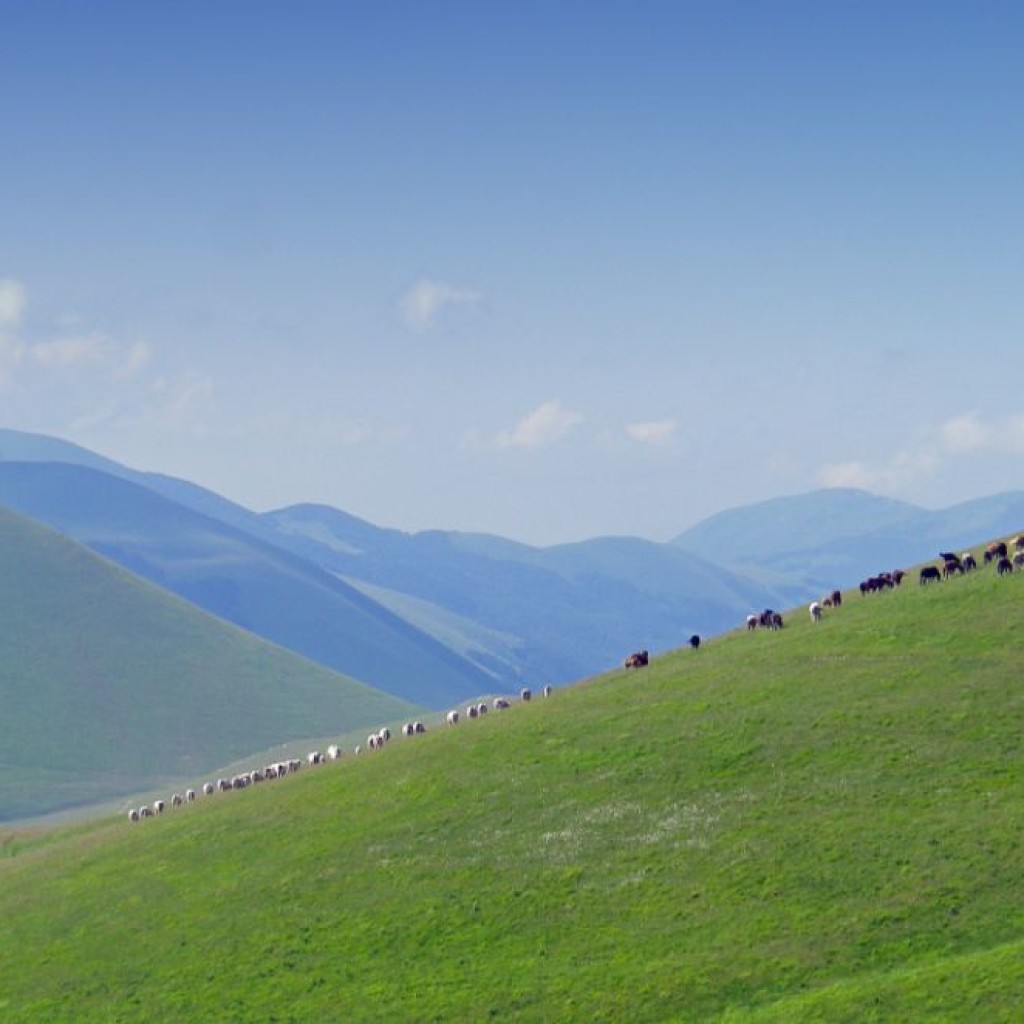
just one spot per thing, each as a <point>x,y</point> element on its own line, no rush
<point>952,565</point>
<point>279,769</point>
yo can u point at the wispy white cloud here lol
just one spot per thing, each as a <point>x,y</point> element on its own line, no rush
<point>13,298</point>
<point>422,303</point>
<point>901,472</point>
<point>970,434</point>
<point>62,353</point>
<point>543,426</point>
<point>657,433</point>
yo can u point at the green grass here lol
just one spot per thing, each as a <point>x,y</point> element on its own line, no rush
<point>821,824</point>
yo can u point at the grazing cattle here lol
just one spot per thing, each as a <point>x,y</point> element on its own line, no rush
<point>408,729</point>
<point>133,814</point>
<point>145,812</point>
<point>815,609</point>
<point>994,551</point>
<point>928,573</point>
<point>837,598</point>
<point>472,711</point>
<point>177,800</point>
<point>525,693</point>
<point>419,727</point>
<point>158,806</point>
<point>751,622</point>
<point>637,659</point>
<point>501,703</point>
<point>333,752</point>
<point>1018,542</point>
<point>1004,566</point>
<point>314,757</point>
<point>452,718</point>
<point>694,641</point>
<point>208,789</point>
<point>951,567</point>
<point>190,795</point>
<point>548,690</point>
<point>481,708</point>
<point>968,562</point>
<point>1018,560</point>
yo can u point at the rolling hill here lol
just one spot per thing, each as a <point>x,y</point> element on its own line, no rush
<point>819,824</point>
<point>109,685</point>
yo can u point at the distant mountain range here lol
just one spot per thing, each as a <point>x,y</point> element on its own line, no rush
<point>436,617</point>
<point>252,629</point>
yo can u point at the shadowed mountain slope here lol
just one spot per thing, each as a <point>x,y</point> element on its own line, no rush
<point>109,685</point>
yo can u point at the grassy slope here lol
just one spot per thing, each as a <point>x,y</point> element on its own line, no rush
<point>109,685</point>
<point>819,824</point>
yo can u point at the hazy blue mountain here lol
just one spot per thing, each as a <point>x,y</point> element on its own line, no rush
<point>111,686</point>
<point>568,610</point>
<point>798,523</point>
<point>18,446</point>
<point>836,537</point>
<point>240,578</point>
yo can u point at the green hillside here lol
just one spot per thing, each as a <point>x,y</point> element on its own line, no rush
<point>110,686</point>
<point>817,824</point>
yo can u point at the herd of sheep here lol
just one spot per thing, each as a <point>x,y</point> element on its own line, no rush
<point>279,769</point>
<point>952,564</point>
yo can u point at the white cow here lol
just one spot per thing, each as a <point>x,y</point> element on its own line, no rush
<point>815,609</point>
<point>452,718</point>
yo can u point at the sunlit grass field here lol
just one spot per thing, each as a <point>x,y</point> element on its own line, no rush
<point>820,824</point>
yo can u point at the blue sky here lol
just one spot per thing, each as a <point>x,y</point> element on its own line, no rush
<point>546,270</point>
